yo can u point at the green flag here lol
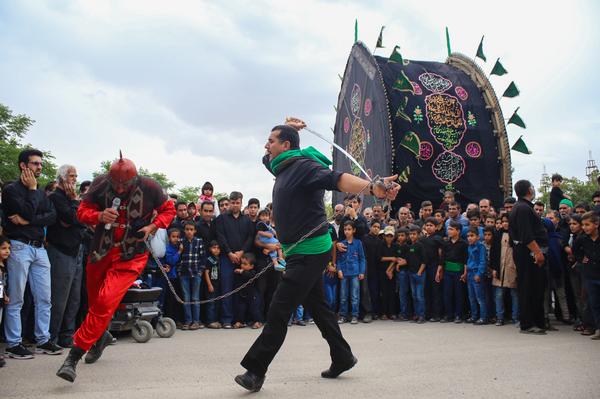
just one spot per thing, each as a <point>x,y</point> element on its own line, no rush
<point>515,119</point>
<point>411,142</point>
<point>380,39</point>
<point>448,42</point>
<point>355,30</point>
<point>511,90</point>
<point>498,69</point>
<point>520,146</point>
<point>396,56</point>
<point>401,110</point>
<point>480,50</point>
<point>403,84</point>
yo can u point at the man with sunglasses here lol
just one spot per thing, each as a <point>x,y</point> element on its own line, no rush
<point>28,212</point>
<point>118,253</point>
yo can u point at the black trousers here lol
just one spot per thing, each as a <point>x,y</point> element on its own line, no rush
<point>433,293</point>
<point>531,284</point>
<point>301,284</point>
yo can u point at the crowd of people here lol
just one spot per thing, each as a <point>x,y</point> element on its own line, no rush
<point>486,265</point>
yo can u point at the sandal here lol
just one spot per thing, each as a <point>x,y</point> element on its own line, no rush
<point>238,325</point>
<point>257,325</point>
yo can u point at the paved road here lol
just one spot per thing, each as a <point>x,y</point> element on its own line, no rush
<point>395,360</point>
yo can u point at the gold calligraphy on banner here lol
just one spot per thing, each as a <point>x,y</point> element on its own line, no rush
<point>445,117</point>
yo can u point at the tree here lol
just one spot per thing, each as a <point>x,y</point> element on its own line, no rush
<point>161,178</point>
<point>579,191</point>
<point>189,194</point>
<point>13,129</point>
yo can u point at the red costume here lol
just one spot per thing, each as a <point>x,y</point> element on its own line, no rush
<point>117,256</point>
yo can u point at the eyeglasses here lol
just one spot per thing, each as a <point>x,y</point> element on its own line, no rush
<point>36,163</point>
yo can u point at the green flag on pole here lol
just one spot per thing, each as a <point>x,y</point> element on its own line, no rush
<point>402,83</point>
<point>480,50</point>
<point>520,146</point>
<point>355,30</point>
<point>380,39</point>
<point>511,90</point>
<point>515,119</point>
<point>498,69</point>
<point>396,56</point>
<point>448,42</point>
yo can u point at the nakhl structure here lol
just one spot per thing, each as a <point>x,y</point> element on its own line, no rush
<point>438,125</point>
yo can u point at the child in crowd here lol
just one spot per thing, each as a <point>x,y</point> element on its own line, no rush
<point>489,235</point>
<point>351,269</point>
<point>207,193</point>
<point>172,255</point>
<point>212,276</point>
<point>504,273</point>
<point>432,249</point>
<point>474,218</point>
<point>440,216</point>
<point>415,260</point>
<point>402,272</point>
<point>4,299</point>
<point>587,249</point>
<point>330,280</point>
<point>389,255</point>
<point>584,321</point>
<point>476,269</point>
<point>556,270</point>
<point>190,269</point>
<point>247,300</point>
<point>499,222</point>
<point>372,244</point>
<point>455,255</point>
<point>490,221</point>
<point>267,235</point>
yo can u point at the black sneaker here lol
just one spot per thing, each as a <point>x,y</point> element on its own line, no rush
<point>49,348</point>
<point>19,352</point>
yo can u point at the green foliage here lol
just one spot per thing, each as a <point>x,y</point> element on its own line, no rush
<point>579,191</point>
<point>161,178</point>
<point>13,129</point>
<point>218,196</point>
<point>189,194</point>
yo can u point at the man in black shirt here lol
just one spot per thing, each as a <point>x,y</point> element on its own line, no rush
<point>181,216</point>
<point>28,211</point>
<point>65,253</point>
<point>302,176</point>
<point>235,233</point>
<point>530,241</point>
<point>205,228</point>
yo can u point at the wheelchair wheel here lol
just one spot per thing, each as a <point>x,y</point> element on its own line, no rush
<point>165,327</point>
<point>142,331</point>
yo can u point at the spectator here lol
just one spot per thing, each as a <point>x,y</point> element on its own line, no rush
<point>205,226</point>
<point>425,212</point>
<point>509,203</point>
<point>49,188</point>
<point>402,273</point>
<point>403,217</point>
<point>556,270</point>
<point>368,214</point>
<point>167,300</point>
<point>84,187</point>
<point>485,206</point>
<point>190,271</point>
<point>65,254</point>
<point>372,245</point>
<point>338,215</point>
<point>253,207</point>
<point>389,253</point>
<point>192,212</point>
<point>449,197</point>
<point>556,194</point>
<point>432,248</point>
<point>378,215</point>
<point>4,298</point>
<point>213,273</point>
<point>207,194</point>
<point>247,301</point>
<point>454,215</point>
<point>28,212</point>
<point>223,205</point>
<point>455,255</point>
<point>581,208</point>
<point>181,217</point>
<point>235,234</point>
<point>330,278</point>
<point>538,208</point>
<point>596,201</point>
<point>351,269</point>
<point>352,213</point>
<point>529,236</point>
<point>416,268</point>
<point>476,269</point>
<point>267,235</point>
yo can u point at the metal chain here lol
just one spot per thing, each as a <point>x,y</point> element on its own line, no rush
<point>247,283</point>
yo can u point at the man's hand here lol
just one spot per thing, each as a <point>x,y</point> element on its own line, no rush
<point>296,123</point>
<point>350,212</point>
<point>108,216</point>
<point>340,275</point>
<point>28,179</point>
<point>463,277</point>
<point>233,258</point>
<point>388,190</point>
<point>210,288</point>
<point>70,190</point>
<point>340,247</point>
<point>477,279</point>
<point>389,273</point>
<point>147,230</point>
<point>539,258</point>
<point>438,276</point>
<point>361,277</point>
<point>18,220</point>
<point>238,271</point>
<point>180,248</point>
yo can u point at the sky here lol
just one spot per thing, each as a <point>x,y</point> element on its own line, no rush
<point>192,88</point>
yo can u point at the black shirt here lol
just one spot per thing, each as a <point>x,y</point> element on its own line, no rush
<point>585,247</point>
<point>456,252</point>
<point>67,233</point>
<point>373,246</point>
<point>360,223</point>
<point>298,191</point>
<point>207,231</point>
<point>525,225</point>
<point>556,195</point>
<point>178,224</point>
<point>431,249</point>
<point>387,252</point>
<point>234,233</point>
<point>31,205</point>
<point>415,257</point>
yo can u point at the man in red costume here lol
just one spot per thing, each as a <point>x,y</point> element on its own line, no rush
<point>118,254</point>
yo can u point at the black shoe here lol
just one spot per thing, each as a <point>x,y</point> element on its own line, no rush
<point>334,370</point>
<point>19,352</point>
<point>480,322</point>
<point>67,370</point>
<point>49,348</point>
<point>250,381</point>
<point>470,320</point>
<point>445,320</point>
<point>420,320</point>
<point>96,350</point>
<point>368,318</point>
<point>458,320</point>
<point>533,330</point>
<point>301,323</point>
<point>434,320</point>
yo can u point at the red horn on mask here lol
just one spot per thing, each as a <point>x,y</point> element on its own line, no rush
<point>122,170</point>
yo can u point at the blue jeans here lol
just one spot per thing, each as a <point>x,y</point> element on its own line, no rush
<point>227,280</point>
<point>453,294</point>
<point>403,279</point>
<point>190,287</point>
<point>349,283</point>
<point>211,307</point>
<point>514,300</point>
<point>330,286</point>
<point>593,291</point>
<point>477,297</point>
<point>27,263</point>
<point>417,287</point>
